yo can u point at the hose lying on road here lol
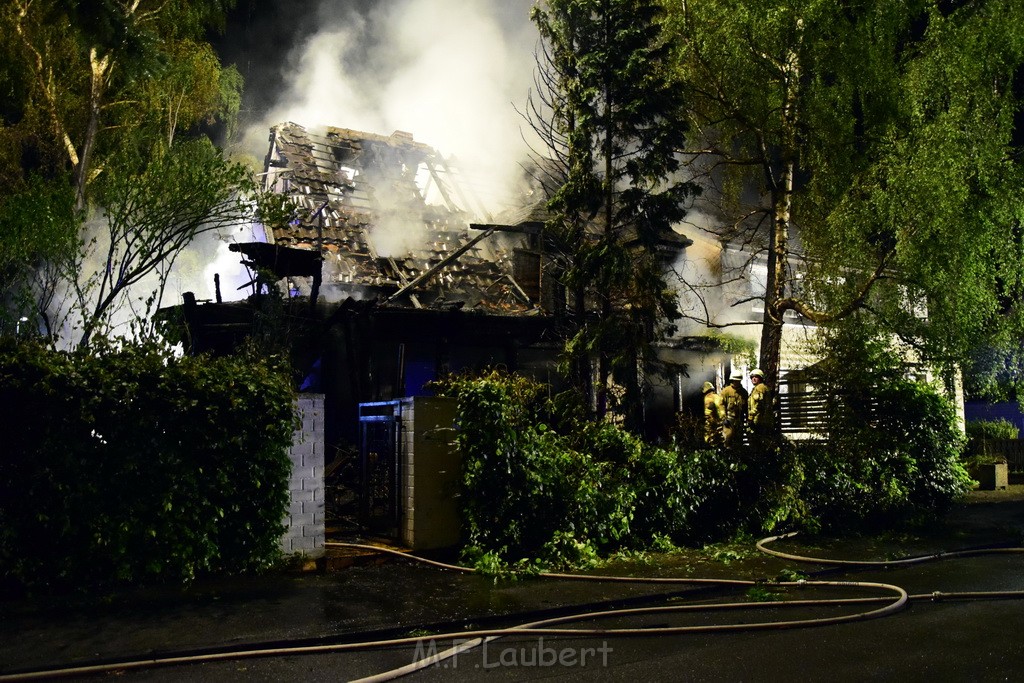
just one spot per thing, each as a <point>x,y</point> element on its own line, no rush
<point>545,627</point>
<point>537,628</point>
<point>762,545</point>
<point>541,628</point>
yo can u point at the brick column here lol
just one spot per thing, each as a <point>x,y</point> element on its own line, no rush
<point>305,518</point>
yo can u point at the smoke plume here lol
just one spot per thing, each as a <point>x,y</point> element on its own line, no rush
<point>449,72</point>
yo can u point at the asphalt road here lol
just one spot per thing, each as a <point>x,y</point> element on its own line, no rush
<point>957,640</point>
<point>928,640</point>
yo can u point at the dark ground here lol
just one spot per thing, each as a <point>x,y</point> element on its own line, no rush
<point>958,640</point>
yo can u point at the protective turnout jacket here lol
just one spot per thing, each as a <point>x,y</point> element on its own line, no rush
<point>735,403</point>
<point>759,410</point>
<point>714,413</point>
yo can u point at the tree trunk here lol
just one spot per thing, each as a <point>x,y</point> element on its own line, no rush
<point>778,276</point>
<point>581,366</point>
<point>604,359</point>
<point>99,67</point>
<point>782,205</point>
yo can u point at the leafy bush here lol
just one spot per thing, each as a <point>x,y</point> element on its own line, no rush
<point>533,494</point>
<point>991,429</point>
<point>125,464</point>
<point>980,450</point>
<point>894,444</point>
<point>526,484</point>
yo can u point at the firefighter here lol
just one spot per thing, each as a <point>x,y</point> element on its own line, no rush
<point>759,406</point>
<point>714,413</point>
<point>734,400</point>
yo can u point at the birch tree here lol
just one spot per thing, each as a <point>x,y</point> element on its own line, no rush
<point>885,137</point>
<point>103,93</point>
<point>87,68</point>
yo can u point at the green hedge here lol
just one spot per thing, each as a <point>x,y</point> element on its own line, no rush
<point>543,488</point>
<point>897,459</point>
<point>978,430</point>
<point>127,465</point>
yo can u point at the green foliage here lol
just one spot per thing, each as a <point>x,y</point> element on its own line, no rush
<point>95,94</point>
<point>535,496</point>
<point>190,88</point>
<point>790,575</point>
<point>527,484</point>
<point>611,117</point>
<point>762,593</point>
<point>981,431</point>
<point>894,448</point>
<point>996,371</point>
<point>157,199</point>
<point>886,136</point>
<point>992,429</point>
<point>563,497</point>
<point>727,553</point>
<point>40,226</point>
<point>125,464</point>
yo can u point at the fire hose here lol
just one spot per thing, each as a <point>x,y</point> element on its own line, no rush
<point>474,638</point>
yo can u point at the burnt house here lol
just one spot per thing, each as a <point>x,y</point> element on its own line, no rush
<point>411,287</point>
<point>394,273</point>
<point>388,271</point>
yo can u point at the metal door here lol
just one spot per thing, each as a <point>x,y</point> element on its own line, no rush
<point>380,429</point>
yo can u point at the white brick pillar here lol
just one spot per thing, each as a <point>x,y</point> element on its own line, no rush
<point>305,517</point>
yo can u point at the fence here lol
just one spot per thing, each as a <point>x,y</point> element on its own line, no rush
<point>1011,449</point>
<point>802,412</point>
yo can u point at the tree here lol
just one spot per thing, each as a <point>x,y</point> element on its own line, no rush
<point>154,208</point>
<point>192,88</point>
<point>39,232</point>
<point>103,92</point>
<point>882,135</point>
<point>85,67</point>
<point>610,116</point>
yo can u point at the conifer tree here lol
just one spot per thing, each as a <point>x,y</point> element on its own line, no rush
<point>611,116</point>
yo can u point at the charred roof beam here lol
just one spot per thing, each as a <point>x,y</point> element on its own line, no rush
<point>426,275</point>
<point>405,282</point>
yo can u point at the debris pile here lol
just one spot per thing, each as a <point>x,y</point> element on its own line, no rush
<point>390,219</point>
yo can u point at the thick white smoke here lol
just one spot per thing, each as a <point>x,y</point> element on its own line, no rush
<point>448,71</point>
<point>714,285</point>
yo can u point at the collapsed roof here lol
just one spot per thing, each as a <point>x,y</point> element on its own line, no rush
<point>391,220</point>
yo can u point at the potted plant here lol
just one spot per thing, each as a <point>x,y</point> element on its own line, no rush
<point>985,463</point>
<point>990,471</point>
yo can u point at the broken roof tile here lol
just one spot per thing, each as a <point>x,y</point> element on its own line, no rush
<point>367,183</point>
